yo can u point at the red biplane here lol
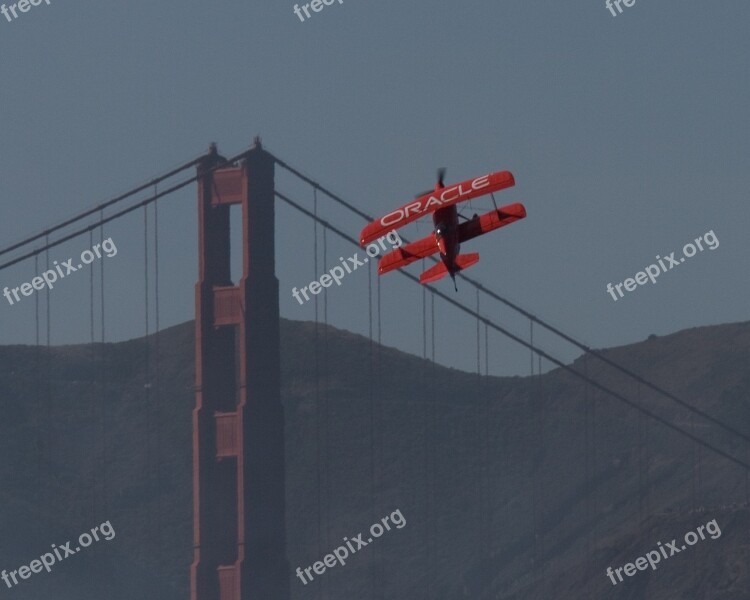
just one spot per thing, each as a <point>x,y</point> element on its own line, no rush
<point>448,233</point>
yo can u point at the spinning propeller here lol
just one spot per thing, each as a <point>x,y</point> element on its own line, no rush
<point>440,185</point>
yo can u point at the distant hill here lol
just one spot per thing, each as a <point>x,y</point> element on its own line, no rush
<point>512,488</point>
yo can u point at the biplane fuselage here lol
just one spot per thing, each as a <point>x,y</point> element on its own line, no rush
<point>447,236</point>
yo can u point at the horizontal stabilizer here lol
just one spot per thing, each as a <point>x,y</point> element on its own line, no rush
<point>433,273</point>
<point>463,261</point>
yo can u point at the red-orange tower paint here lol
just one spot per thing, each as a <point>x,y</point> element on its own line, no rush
<point>239,547</point>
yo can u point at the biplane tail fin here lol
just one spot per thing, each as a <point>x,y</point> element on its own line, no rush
<point>463,261</point>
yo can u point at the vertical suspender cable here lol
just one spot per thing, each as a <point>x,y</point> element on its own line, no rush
<point>699,450</point>
<point>694,461</point>
<point>694,506</point>
<point>325,422</point>
<point>147,363</point>
<point>531,341</point>
<point>103,374</point>
<point>157,384</point>
<point>538,479</point>
<point>46,243</point>
<point>426,442</point>
<point>318,411</point>
<point>38,403</point>
<point>588,477</point>
<point>378,431</point>
<point>594,451</point>
<point>92,351</point>
<point>431,524</point>
<point>91,295</point>
<point>36,304</point>
<point>479,358</point>
<point>640,458</point>
<point>646,471</point>
<point>46,412</point>
<point>380,328</point>
<point>533,457</point>
<point>747,477</point>
<point>489,513</point>
<point>424,323</point>
<point>481,420</point>
<point>370,397</point>
<point>486,350</point>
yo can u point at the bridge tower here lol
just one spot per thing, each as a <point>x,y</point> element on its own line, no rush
<point>239,530</point>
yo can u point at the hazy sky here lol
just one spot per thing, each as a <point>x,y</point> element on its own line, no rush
<point>628,137</point>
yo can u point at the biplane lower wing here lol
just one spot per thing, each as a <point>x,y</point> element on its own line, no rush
<point>490,221</point>
<point>405,255</point>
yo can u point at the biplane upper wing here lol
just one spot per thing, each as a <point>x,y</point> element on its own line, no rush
<point>490,221</point>
<point>400,257</point>
<point>428,203</point>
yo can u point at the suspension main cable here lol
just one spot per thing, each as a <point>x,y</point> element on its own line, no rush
<point>102,206</point>
<point>494,295</point>
<point>526,344</point>
<point>47,245</point>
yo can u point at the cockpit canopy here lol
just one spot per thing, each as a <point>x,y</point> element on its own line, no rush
<point>441,229</point>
